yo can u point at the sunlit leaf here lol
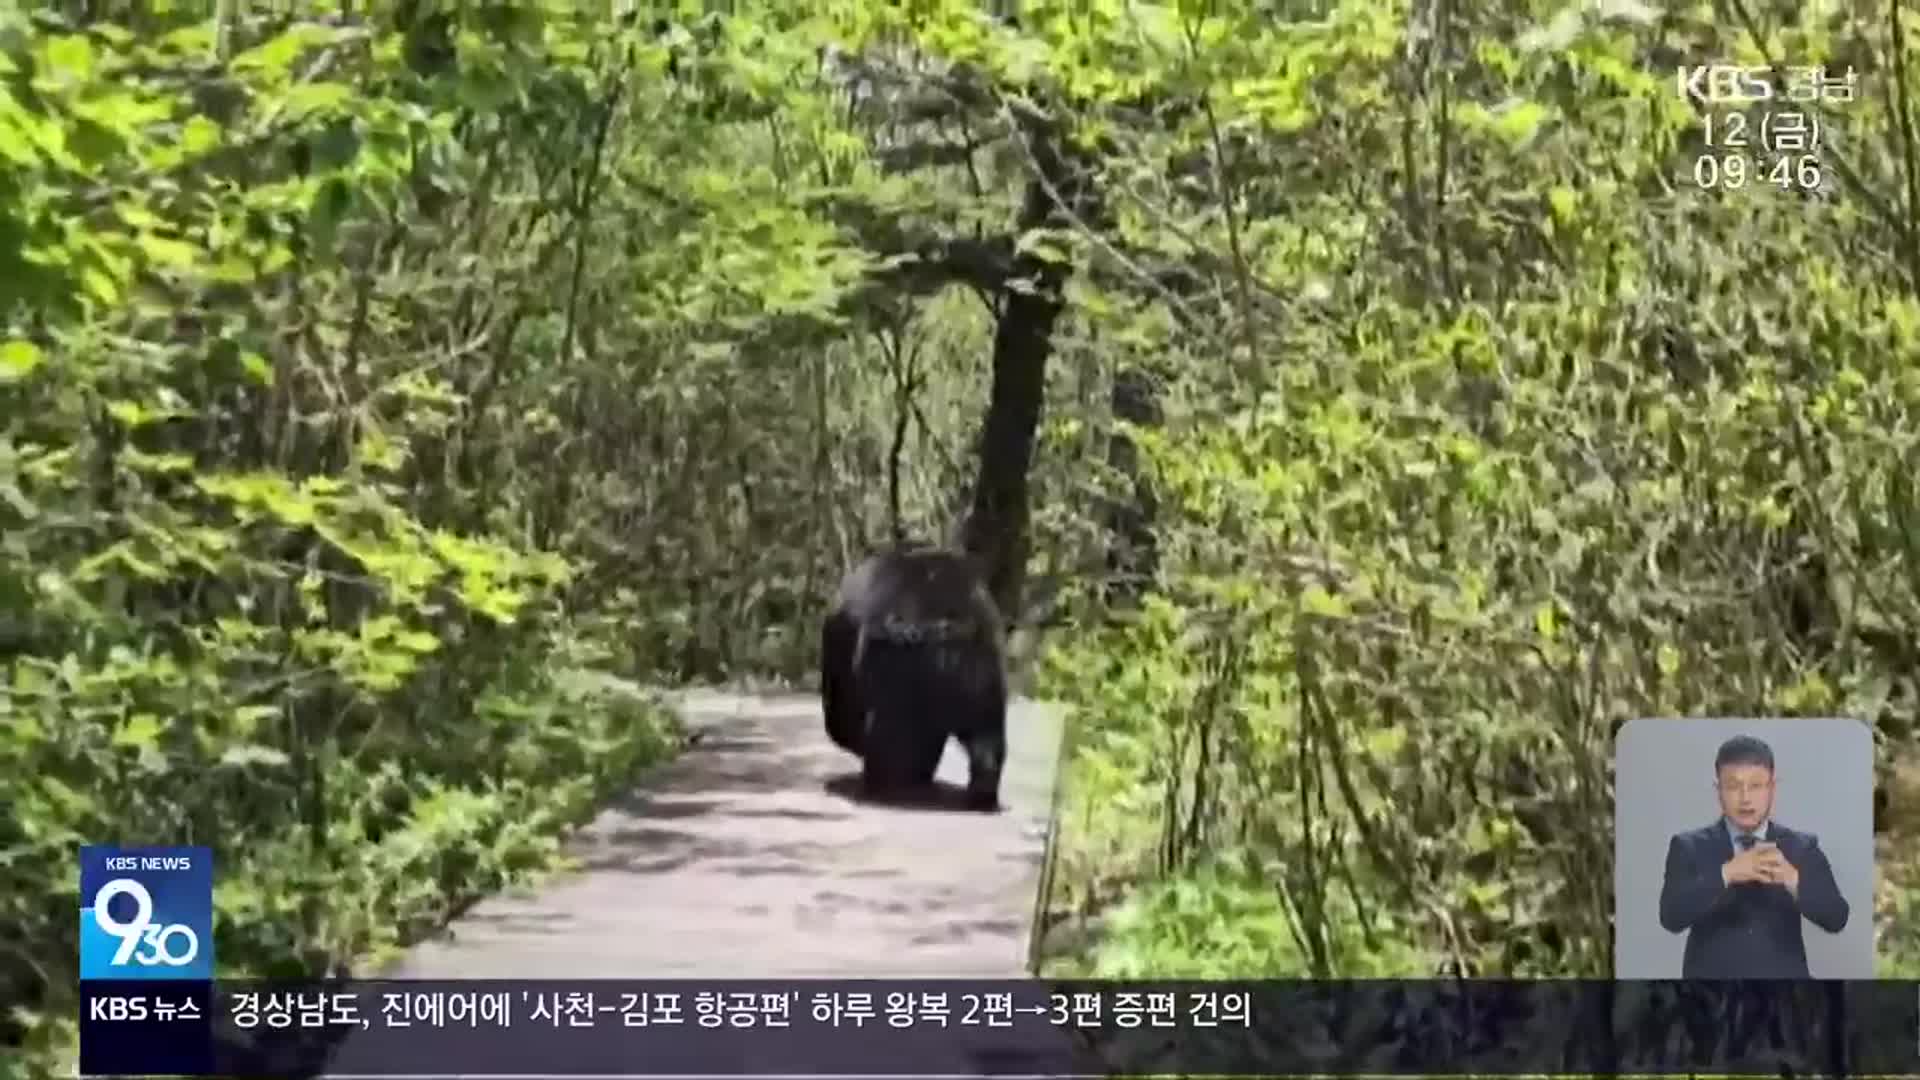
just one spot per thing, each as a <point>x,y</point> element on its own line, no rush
<point>254,754</point>
<point>18,359</point>
<point>140,730</point>
<point>1316,600</point>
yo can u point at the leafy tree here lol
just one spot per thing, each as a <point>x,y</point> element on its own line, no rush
<point>1366,395</point>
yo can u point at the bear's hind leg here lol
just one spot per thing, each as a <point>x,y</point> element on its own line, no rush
<point>986,756</point>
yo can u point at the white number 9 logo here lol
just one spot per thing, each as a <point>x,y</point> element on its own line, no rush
<point>140,928</point>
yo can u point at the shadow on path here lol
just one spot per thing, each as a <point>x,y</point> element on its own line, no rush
<point>754,854</point>
<point>942,796</point>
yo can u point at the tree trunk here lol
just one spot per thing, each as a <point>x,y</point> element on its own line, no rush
<point>996,527</point>
<point>1133,553</point>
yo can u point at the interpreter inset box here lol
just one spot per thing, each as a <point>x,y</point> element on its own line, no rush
<point>1743,849</point>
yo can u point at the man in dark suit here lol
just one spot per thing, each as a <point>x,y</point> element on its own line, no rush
<point>1739,886</point>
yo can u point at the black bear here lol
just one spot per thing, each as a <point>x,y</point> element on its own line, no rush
<point>910,656</point>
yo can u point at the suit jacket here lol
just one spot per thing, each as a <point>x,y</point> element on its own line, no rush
<point>1749,930</point>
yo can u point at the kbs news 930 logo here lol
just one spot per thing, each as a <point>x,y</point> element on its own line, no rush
<point>146,912</point>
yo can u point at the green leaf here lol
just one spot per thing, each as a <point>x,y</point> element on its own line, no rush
<point>1042,244</point>
<point>1668,658</point>
<point>199,135</point>
<point>140,731</point>
<point>1383,744</point>
<point>274,58</point>
<point>71,54</point>
<point>254,754</point>
<point>131,413</point>
<point>18,359</point>
<point>1556,35</point>
<point>1563,201</point>
<point>416,641</point>
<point>13,497</point>
<point>1627,11</point>
<point>172,254</point>
<point>233,271</point>
<point>1318,601</point>
<point>101,286</point>
<point>1519,121</point>
<point>199,38</point>
<point>249,717</point>
<point>318,97</point>
<point>16,142</point>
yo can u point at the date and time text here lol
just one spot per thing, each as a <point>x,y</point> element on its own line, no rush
<point>1762,129</point>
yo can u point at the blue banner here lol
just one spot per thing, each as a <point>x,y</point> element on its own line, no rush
<point>146,912</point>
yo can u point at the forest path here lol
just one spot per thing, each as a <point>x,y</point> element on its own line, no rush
<point>748,857</point>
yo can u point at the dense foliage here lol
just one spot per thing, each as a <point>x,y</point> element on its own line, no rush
<point>386,393</point>
<point>1531,435</point>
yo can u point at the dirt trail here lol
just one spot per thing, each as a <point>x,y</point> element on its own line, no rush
<point>743,858</point>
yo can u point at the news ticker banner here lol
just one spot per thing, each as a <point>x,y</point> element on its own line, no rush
<point>814,1027</point>
<point>149,1006</point>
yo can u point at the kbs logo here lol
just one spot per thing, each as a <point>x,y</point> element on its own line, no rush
<point>117,1007</point>
<point>1725,82</point>
<point>148,913</point>
<point>1730,84</point>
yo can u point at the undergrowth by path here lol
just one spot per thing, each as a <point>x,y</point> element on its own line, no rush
<point>384,879</point>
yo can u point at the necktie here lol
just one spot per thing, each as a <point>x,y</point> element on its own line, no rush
<point>1747,840</point>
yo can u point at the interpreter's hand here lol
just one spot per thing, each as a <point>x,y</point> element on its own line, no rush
<point>1748,866</point>
<point>1775,869</point>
